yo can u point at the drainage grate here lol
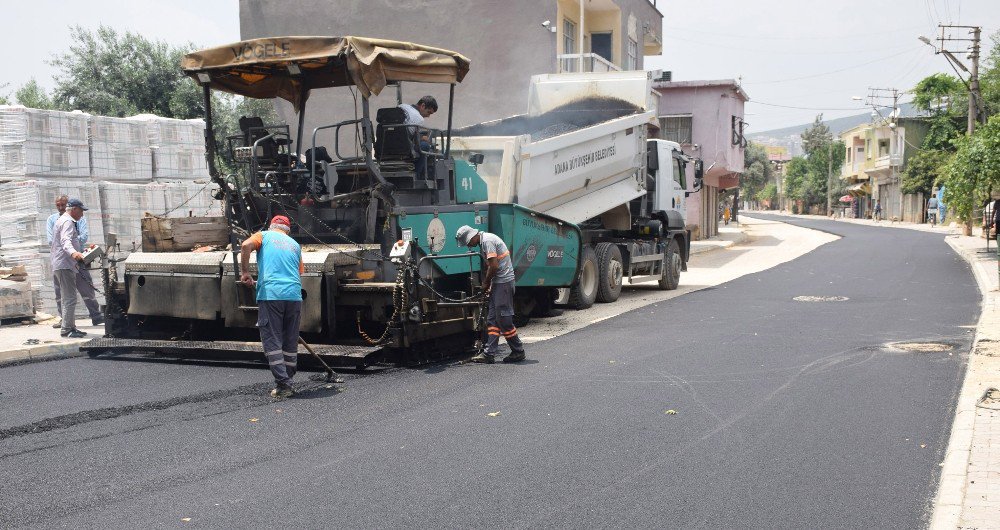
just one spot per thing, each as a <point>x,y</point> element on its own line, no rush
<point>820,299</point>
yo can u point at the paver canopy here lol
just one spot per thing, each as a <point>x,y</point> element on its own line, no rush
<point>260,68</point>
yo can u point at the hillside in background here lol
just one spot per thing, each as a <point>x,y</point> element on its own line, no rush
<point>836,125</point>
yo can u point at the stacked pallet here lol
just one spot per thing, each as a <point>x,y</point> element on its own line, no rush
<point>178,148</point>
<point>43,144</point>
<point>16,299</point>
<point>119,150</point>
<point>124,205</point>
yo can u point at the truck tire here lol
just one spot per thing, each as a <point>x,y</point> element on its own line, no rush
<point>583,293</point>
<point>670,277</point>
<point>609,267</point>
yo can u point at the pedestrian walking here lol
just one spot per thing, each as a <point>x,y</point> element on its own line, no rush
<point>725,214</point>
<point>878,210</point>
<point>279,298</point>
<point>499,284</point>
<point>66,254</point>
<point>84,282</point>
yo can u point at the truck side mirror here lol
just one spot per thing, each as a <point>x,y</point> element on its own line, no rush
<point>652,159</point>
<point>699,169</point>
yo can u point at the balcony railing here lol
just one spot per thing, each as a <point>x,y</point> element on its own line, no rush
<point>570,62</point>
<point>892,160</point>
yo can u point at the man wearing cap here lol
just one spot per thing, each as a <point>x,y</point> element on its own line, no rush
<point>499,283</point>
<point>279,297</point>
<point>84,282</point>
<point>65,249</point>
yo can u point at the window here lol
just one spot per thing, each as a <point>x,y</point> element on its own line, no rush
<point>679,173</point>
<point>676,129</point>
<point>569,36</point>
<point>632,55</point>
<point>883,148</point>
<point>738,127</point>
<point>569,44</point>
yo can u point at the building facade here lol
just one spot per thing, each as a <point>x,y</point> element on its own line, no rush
<point>507,42</point>
<point>875,158</point>
<point>706,118</point>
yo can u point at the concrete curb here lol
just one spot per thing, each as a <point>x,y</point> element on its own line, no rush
<point>708,245</point>
<point>952,487</point>
<point>40,353</point>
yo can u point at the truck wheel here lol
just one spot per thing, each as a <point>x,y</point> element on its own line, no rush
<point>609,265</point>
<point>583,293</point>
<point>670,277</point>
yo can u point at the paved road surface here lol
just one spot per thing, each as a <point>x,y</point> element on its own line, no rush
<point>788,414</point>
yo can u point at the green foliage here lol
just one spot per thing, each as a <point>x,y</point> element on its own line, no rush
<point>795,175</point>
<point>941,94</point>
<point>816,137</point>
<point>768,193</point>
<point>32,95</point>
<point>4,100</point>
<point>117,75</point>
<point>989,77</point>
<point>974,170</point>
<point>924,170</point>
<point>757,170</point>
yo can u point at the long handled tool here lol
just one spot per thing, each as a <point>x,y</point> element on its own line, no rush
<point>331,376</point>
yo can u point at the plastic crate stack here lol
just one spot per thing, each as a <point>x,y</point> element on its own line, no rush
<point>119,150</point>
<point>124,205</point>
<point>43,144</point>
<point>25,207</point>
<point>178,148</point>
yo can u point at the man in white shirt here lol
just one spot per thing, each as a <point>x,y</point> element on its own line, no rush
<point>415,115</point>
<point>84,282</point>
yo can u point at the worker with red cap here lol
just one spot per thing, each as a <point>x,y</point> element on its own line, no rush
<point>279,297</point>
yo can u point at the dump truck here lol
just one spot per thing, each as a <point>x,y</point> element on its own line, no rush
<point>384,278</point>
<point>581,155</point>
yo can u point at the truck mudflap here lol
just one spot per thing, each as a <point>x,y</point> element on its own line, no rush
<point>334,354</point>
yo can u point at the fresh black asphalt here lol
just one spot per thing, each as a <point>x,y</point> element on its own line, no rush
<point>787,414</point>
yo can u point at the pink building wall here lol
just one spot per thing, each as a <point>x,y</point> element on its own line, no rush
<point>712,106</point>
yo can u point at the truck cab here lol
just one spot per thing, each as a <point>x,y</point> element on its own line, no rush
<point>666,167</point>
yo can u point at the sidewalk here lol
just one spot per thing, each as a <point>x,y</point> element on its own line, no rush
<point>36,342</point>
<point>729,235</point>
<point>969,492</point>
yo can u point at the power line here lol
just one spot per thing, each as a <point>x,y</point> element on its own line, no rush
<point>832,71</point>
<point>778,52</point>
<point>804,108</point>
<point>796,38</point>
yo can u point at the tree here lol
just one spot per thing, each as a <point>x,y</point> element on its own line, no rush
<point>795,175</point>
<point>31,94</point>
<point>816,137</point>
<point>923,170</point>
<point>757,170</point>
<point>768,193</point>
<point>4,100</point>
<point>989,77</point>
<point>941,94</point>
<point>973,171</point>
<point>117,75</point>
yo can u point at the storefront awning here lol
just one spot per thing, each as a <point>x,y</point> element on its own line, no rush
<point>859,190</point>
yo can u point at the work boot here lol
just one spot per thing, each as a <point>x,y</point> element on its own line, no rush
<point>73,334</point>
<point>483,358</point>
<point>514,357</point>
<point>98,320</point>
<point>282,392</point>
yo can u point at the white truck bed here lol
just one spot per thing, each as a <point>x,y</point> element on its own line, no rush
<point>590,170</point>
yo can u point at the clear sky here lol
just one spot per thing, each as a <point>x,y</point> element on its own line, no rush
<point>798,53</point>
<point>811,53</point>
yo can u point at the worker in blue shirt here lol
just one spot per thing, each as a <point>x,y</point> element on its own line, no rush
<point>84,282</point>
<point>279,298</point>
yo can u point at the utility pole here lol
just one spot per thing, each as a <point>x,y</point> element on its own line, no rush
<point>946,39</point>
<point>875,98</point>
